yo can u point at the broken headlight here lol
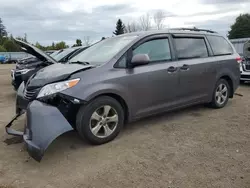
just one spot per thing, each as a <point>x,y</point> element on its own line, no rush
<point>57,87</point>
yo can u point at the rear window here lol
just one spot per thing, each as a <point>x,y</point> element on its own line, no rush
<point>220,45</point>
<point>188,48</point>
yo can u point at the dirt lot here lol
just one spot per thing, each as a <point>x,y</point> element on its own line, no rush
<point>195,147</point>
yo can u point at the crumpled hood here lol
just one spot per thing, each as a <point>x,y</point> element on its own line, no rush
<point>35,51</point>
<point>54,73</point>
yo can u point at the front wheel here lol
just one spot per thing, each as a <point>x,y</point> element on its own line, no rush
<point>101,120</point>
<point>221,94</point>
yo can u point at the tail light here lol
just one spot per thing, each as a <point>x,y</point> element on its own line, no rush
<point>239,60</point>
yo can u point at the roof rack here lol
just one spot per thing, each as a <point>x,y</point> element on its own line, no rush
<point>194,29</point>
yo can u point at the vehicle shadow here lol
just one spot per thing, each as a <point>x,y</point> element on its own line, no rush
<point>69,142</point>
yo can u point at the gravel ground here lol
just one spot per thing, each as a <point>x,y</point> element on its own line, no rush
<point>195,147</point>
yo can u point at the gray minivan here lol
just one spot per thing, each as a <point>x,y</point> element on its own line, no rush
<point>125,78</point>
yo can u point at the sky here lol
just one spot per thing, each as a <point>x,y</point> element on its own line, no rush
<point>46,21</point>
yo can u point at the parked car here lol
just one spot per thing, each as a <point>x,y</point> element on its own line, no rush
<point>24,66</point>
<point>64,55</point>
<point>245,65</point>
<point>49,52</point>
<point>122,79</point>
<point>28,66</point>
<point>2,59</point>
<point>55,53</point>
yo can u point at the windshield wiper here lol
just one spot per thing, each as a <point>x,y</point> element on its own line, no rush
<point>80,62</point>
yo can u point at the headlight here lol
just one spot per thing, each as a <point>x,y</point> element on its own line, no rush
<point>57,87</point>
<point>24,71</point>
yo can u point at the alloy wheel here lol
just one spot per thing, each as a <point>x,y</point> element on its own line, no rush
<point>103,121</point>
<point>221,94</point>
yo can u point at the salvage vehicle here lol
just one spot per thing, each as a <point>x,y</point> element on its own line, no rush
<point>245,65</point>
<point>28,66</point>
<point>67,53</point>
<point>55,53</point>
<point>122,79</point>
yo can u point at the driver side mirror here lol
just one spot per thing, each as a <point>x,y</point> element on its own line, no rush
<point>140,59</point>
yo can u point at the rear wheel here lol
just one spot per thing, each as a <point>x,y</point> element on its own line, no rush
<point>100,121</point>
<point>221,94</point>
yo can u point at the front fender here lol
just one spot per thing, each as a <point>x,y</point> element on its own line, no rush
<point>91,91</point>
<point>44,124</point>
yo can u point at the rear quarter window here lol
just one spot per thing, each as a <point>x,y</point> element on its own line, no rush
<point>220,45</point>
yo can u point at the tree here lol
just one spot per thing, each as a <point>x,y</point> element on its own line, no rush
<point>11,37</point>
<point>20,38</point>
<point>3,31</point>
<point>25,37</point>
<point>119,27</point>
<point>78,43</point>
<point>53,45</point>
<point>132,27</point>
<point>2,49</point>
<point>86,41</point>
<point>11,46</point>
<point>159,17</point>
<point>145,22</point>
<point>241,27</point>
<point>61,45</point>
<point>103,38</point>
<point>38,45</point>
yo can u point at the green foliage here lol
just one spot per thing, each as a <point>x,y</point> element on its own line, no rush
<point>2,49</point>
<point>11,46</point>
<point>3,31</point>
<point>120,28</point>
<point>60,45</point>
<point>38,45</point>
<point>241,27</point>
<point>54,46</point>
<point>78,43</point>
<point>22,39</point>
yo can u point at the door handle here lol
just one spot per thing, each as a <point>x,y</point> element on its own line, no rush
<point>185,67</point>
<point>172,69</point>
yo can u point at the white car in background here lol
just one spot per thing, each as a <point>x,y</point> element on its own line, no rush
<point>245,70</point>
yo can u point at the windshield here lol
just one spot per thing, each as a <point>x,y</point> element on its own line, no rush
<point>64,53</point>
<point>54,53</point>
<point>104,50</point>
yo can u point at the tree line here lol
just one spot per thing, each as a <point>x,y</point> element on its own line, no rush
<point>240,29</point>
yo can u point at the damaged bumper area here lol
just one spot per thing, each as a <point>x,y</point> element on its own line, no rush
<point>44,124</point>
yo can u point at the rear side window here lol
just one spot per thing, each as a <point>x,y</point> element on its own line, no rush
<point>157,50</point>
<point>188,47</point>
<point>219,45</point>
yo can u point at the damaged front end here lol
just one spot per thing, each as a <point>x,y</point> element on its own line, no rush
<point>44,124</point>
<point>46,119</point>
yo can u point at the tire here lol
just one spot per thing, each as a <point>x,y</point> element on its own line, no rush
<point>215,101</point>
<point>84,120</point>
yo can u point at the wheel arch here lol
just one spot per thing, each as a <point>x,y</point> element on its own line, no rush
<point>117,97</point>
<point>230,82</point>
